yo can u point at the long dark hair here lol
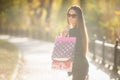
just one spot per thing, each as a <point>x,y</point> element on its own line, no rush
<point>81,25</point>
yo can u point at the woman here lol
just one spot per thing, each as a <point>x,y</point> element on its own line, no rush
<point>78,29</point>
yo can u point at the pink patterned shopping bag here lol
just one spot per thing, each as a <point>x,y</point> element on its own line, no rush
<point>64,47</point>
<point>62,65</point>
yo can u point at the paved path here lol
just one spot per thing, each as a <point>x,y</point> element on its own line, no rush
<point>37,62</point>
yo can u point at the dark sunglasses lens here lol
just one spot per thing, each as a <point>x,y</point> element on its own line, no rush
<point>72,15</point>
<point>68,15</point>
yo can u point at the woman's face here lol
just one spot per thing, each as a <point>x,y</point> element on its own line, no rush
<point>72,18</point>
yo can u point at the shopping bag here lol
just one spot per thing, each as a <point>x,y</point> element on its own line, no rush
<point>64,47</point>
<point>63,53</point>
<point>62,65</point>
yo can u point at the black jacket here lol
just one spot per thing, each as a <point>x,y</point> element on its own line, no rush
<point>79,62</point>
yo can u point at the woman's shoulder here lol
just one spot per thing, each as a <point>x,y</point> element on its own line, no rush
<point>64,32</point>
<point>73,30</point>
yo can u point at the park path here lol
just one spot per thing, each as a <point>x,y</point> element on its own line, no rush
<point>37,62</point>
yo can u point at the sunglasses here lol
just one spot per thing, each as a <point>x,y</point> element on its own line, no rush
<point>72,15</point>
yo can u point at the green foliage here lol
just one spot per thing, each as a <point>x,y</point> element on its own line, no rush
<point>101,16</point>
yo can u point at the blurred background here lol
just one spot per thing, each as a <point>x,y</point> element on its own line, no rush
<point>45,19</point>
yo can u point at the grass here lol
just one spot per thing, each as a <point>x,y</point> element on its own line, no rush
<point>8,59</point>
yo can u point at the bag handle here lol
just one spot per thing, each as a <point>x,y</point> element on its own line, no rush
<point>65,33</point>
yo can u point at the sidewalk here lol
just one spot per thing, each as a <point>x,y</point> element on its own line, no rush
<point>37,62</point>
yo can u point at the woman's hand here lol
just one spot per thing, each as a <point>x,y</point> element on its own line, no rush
<point>69,73</point>
<point>64,33</point>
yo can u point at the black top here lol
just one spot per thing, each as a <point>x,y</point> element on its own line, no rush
<point>80,65</point>
<point>79,62</point>
<point>75,32</point>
